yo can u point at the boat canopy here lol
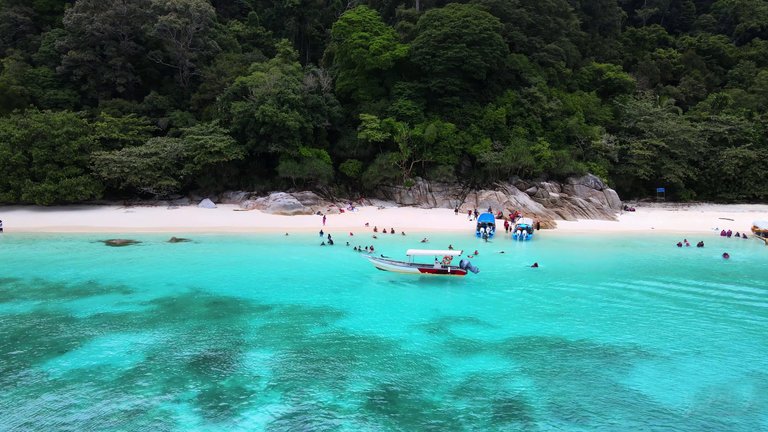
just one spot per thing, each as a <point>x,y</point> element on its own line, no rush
<point>433,252</point>
<point>761,224</point>
<point>525,221</point>
<point>487,218</point>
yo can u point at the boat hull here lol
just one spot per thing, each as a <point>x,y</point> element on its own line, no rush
<point>403,267</point>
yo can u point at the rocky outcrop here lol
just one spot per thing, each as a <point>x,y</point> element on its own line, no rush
<point>424,194</point>
<point>297,203</point>
<point>585,197</point>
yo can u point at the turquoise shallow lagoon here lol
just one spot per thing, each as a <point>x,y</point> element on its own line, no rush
<point>259,332</point>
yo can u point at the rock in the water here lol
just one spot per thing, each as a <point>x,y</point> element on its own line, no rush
<point>207,203</point>
<point>120,242</point>
<point>178,240</point>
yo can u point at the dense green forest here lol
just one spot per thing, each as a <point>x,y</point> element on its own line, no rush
<point>151,98</point>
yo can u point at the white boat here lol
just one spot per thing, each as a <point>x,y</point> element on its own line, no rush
<point>760,230</point>
<point>442,266</point>
<point>523,229</point>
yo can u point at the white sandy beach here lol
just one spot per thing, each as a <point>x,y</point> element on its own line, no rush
<point>669,218</point>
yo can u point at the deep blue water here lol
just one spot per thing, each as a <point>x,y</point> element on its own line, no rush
<point>260,332</point>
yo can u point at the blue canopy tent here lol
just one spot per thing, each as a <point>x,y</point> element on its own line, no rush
<point>486,224</point>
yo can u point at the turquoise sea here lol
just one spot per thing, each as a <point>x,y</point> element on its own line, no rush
<point>262,332</point>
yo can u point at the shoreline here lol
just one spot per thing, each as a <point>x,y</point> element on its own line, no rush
<point>649,218</point>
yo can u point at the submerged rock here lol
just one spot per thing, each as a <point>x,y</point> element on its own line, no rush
<point>178,240</point>
<point>120,242</point>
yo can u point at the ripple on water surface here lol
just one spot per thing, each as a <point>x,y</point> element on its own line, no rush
<point>267,333</point>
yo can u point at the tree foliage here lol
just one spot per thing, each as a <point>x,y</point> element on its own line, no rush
<point>116,98</point>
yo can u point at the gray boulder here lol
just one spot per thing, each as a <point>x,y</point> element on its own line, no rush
<point>281,203</point>
<point>614,202</point>
<point>424,194</point>
<point>234,197</point>
<point>590,180</point>
<point>207,203</point>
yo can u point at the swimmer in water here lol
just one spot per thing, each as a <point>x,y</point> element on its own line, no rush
<point>535,265</point>
<point>726,255</point>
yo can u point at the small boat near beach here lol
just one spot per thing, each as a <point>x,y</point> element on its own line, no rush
<point>523,229</point>
<point>486,226</point>
<point>441,267</point>
<point>760,230</point>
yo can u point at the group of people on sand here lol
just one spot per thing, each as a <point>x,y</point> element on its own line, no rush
<point>730,233</point>
<point>686,244</point>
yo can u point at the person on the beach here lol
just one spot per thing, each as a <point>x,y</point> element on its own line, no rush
<point>323,220</point>
<point>367,224</point>
<point>456,211</point>
<point>469,215</point>
<point>391,230</point>
<point>375,228</point>
<point>476,213</point>
<point>737,234</point>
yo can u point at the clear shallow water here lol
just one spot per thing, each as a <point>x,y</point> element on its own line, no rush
<point>277,333</point>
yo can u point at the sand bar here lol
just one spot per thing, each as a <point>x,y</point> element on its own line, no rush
<point>667,218</point>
